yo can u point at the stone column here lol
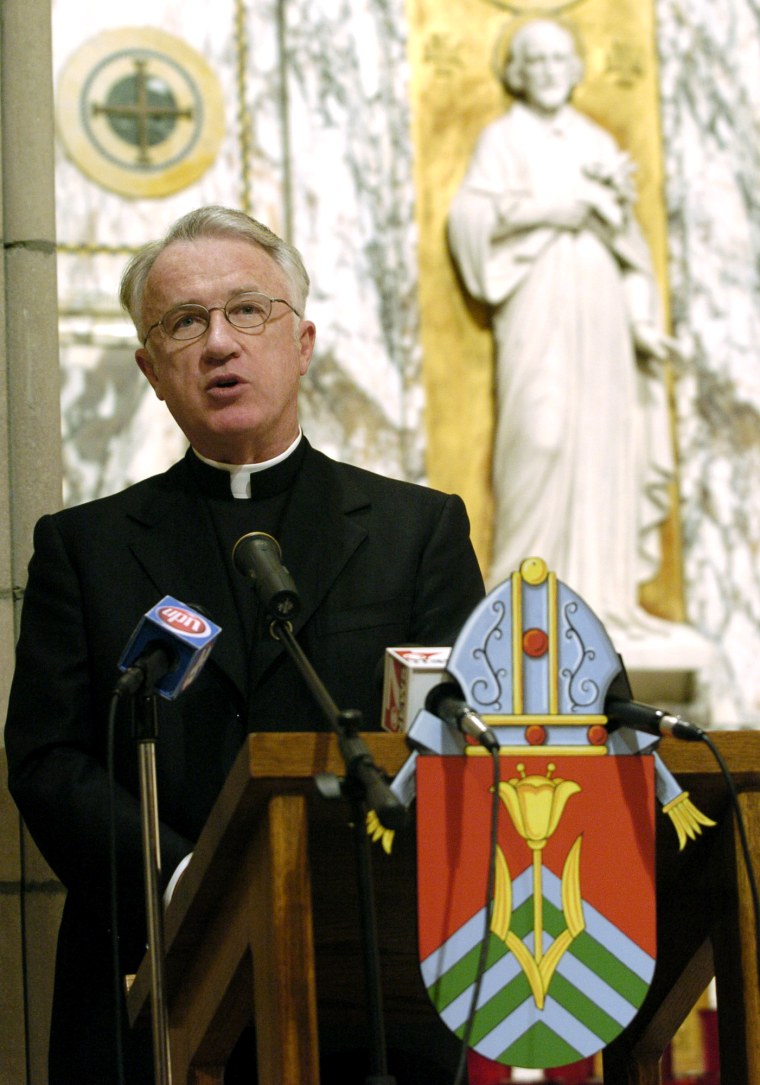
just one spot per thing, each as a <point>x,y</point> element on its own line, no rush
<point>30,484</point>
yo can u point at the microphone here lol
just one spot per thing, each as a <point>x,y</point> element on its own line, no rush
<point>445,701</point>
<point>166,651</point>
<point>259,556</point>
<point>653,721</point>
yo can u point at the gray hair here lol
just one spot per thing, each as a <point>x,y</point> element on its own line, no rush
<point>512,76</point>
<point>212,221</point>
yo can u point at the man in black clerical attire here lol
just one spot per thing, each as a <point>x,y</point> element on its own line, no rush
<point>218,305</point>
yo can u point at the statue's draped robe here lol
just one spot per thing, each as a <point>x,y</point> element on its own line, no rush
<point>582,450</point>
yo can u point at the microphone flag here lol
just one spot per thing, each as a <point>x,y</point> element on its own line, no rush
<point>571,923</point>
<point>186,634</point>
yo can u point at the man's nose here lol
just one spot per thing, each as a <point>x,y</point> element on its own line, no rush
<point>220,337</point>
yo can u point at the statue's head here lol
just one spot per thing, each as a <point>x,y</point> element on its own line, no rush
<point>543,66</point>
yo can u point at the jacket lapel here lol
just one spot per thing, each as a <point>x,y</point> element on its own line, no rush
<point>175,543</point>
<point>319,535</point>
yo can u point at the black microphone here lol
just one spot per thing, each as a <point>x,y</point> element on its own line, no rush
<point>166,651</point>
<point>653,721</point>
<point>259,556</point>
<point>445,701</point>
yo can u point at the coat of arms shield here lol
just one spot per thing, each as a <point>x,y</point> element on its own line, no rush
<point>570,923</point>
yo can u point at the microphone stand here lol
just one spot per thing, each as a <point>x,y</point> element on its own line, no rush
<point>146,731</point>
<point>364,783</point>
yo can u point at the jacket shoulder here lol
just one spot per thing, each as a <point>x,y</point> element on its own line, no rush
<point>360,485</point>
<point>130,499</point>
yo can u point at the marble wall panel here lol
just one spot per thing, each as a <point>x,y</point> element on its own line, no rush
<point>355,224</point>
<point>709,56</point>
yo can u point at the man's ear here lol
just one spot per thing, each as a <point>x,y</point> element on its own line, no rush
<point>306,337</point>
<point>148,368</point>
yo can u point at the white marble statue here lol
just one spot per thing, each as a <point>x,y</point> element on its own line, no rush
<point>542,229</point>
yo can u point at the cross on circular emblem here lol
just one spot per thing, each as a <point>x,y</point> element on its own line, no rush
<point>140,112</point>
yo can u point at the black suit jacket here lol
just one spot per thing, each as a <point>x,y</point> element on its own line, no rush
<point>377,562</point>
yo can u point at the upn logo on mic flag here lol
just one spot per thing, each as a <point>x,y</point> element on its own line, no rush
<point>570,928</point>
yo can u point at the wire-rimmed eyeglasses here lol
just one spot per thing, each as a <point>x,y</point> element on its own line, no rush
<point>244,311</point>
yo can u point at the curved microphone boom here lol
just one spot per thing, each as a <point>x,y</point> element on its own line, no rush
<point>258,555</point>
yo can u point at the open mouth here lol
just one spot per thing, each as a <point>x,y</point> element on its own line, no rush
<point>225,382</point>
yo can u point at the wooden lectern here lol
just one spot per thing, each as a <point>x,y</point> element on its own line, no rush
<point>264,924</point>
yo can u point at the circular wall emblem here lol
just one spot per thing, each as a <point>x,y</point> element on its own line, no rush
<point>140,112</point>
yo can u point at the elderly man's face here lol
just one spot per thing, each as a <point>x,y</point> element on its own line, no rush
<point>232,392</point>
<point>548,64</point>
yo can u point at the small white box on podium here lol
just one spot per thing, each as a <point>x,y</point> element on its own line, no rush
<point>410,674</point>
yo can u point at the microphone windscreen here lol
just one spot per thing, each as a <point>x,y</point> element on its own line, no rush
<point>258,556</point>
<point>440,697</point>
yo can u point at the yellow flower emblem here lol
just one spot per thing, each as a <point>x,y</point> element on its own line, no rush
<point>536,803</point>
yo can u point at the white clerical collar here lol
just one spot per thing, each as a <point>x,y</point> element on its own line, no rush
<point>240,473</point>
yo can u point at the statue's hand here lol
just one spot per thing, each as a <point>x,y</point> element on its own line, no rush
<point>618,174</point>
<point>654,343</point>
